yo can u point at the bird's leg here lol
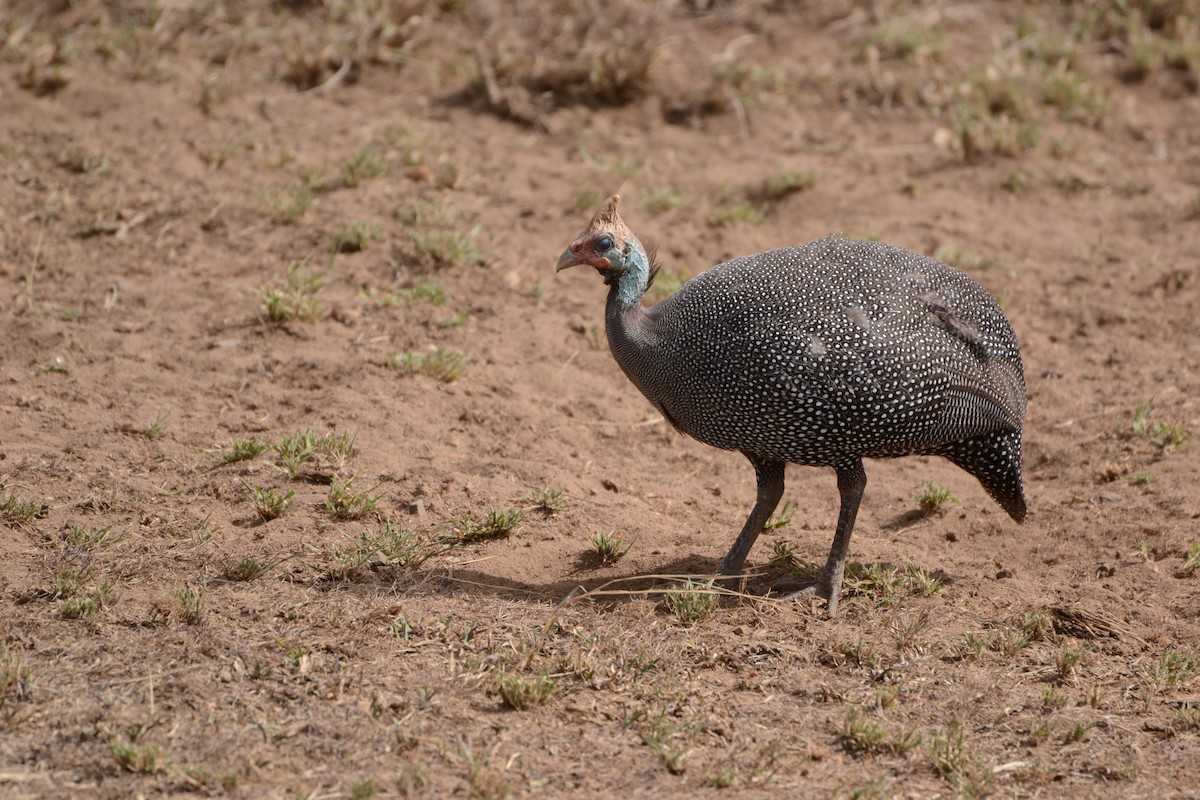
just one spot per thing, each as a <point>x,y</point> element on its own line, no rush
<point>770,489</point>
<point>851,480</point>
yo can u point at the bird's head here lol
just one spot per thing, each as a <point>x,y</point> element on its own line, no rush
<point>609,246</point>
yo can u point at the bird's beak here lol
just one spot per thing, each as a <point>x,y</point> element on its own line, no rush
<point>568,259</point>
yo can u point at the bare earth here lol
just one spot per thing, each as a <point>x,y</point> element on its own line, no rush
<point>162,165</point>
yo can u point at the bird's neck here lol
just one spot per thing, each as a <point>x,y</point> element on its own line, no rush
<point>631,282</point>
<point>632,338</point>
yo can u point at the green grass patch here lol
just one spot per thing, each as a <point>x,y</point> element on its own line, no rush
<point>15,511</point>
<point>347,503</point>
<point>441,249</point>
<point>520,692</point>
<point>693,602</point>
<point>441,364</point>
<point>355,237</point>
<point>294,298</point>
<point>496,524</point>
<point>244,449</point>
<point>269,503</point>
<point>609,547</point>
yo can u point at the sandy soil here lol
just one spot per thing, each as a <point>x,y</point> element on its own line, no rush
<point>164,165</point>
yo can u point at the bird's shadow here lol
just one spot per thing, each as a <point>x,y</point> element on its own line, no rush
<point>591,578</point>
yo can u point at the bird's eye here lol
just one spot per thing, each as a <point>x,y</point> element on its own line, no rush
<point>603,243</point>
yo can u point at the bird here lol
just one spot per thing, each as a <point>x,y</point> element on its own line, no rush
<point>821,354</point>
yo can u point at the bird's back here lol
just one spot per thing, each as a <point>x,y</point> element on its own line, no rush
<point>826,351</point>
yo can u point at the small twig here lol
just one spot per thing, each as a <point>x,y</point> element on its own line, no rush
<point>739,111</point>
<point>1085,417</point>
<point>567,363</point>
<point>579,593</point>
<point>495,97</point>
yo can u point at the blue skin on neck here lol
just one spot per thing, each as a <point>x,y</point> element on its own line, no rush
<point>635,272</point>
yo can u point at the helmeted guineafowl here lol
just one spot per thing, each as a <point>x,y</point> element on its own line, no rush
<point>820,354</point>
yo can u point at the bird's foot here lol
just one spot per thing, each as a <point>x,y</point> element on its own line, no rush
<point>816,590</point>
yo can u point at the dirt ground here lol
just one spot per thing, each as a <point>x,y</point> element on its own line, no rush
<point>256,252</point>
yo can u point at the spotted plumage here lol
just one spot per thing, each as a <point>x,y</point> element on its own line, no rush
<point>821,354</point>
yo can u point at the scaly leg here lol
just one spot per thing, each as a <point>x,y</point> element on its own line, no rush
<point>852,481</point>
<point>770,489</point>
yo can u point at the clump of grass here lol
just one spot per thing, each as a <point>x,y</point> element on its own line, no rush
<point>663,739</point>
<point>983,131</point>
<point>15,677</point>
<point>295,299</point>
<point>663,200</point>
<point>15,511</point>
<point>190,601</point>
<point>427,291</point>
<point>921,581</point>
<point>1053,699</point>
<point>366,163</point>
<point>148,759</point>
<point>288,203</point>
<point>496,524</point>
<point>449,248</point>
<point>1188,716</point>
<point>595,55</point>
<point>520,692</point>
<point>957,764</point>
<point>1141,417</point>
<point>82,607</point>
<point>1009,641</point>
<point>84,536</point>
<point>787,182</point>
<point>692,603</point>
<point>783,556</point>
<point>861,734</point>
<point>68,582</point>
<point>242,449</point>
<point>931,498</point>
<point>1035,625</point>
<point>1077,732</point>
<point>1168,436</point>
<point>1017,182</point>
<point>296,450</point>
<point>247,569</point>
<point>1141,478</point>
<point>158,428</point>
<point>355,237</point>
<point>780,519</point>
<point>1191,559</point>
<point>881,582</point>
<point>338,447</point>
<point>738,210</point>
<point>268,502</point>
<point>972,645</point>
<point>547,500</point>
<point>363,789</point>
<point>390,546</point>
<point>1076,98</point>
<point>907,40</point>
<point>584,200</point>
<point>1068,660</point>
<point>442,364</point>
<point>610,547</point>
<point>1172,669</point>
<point>346,503</point>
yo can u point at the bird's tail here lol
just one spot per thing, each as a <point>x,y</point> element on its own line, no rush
<point>995,459</point>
